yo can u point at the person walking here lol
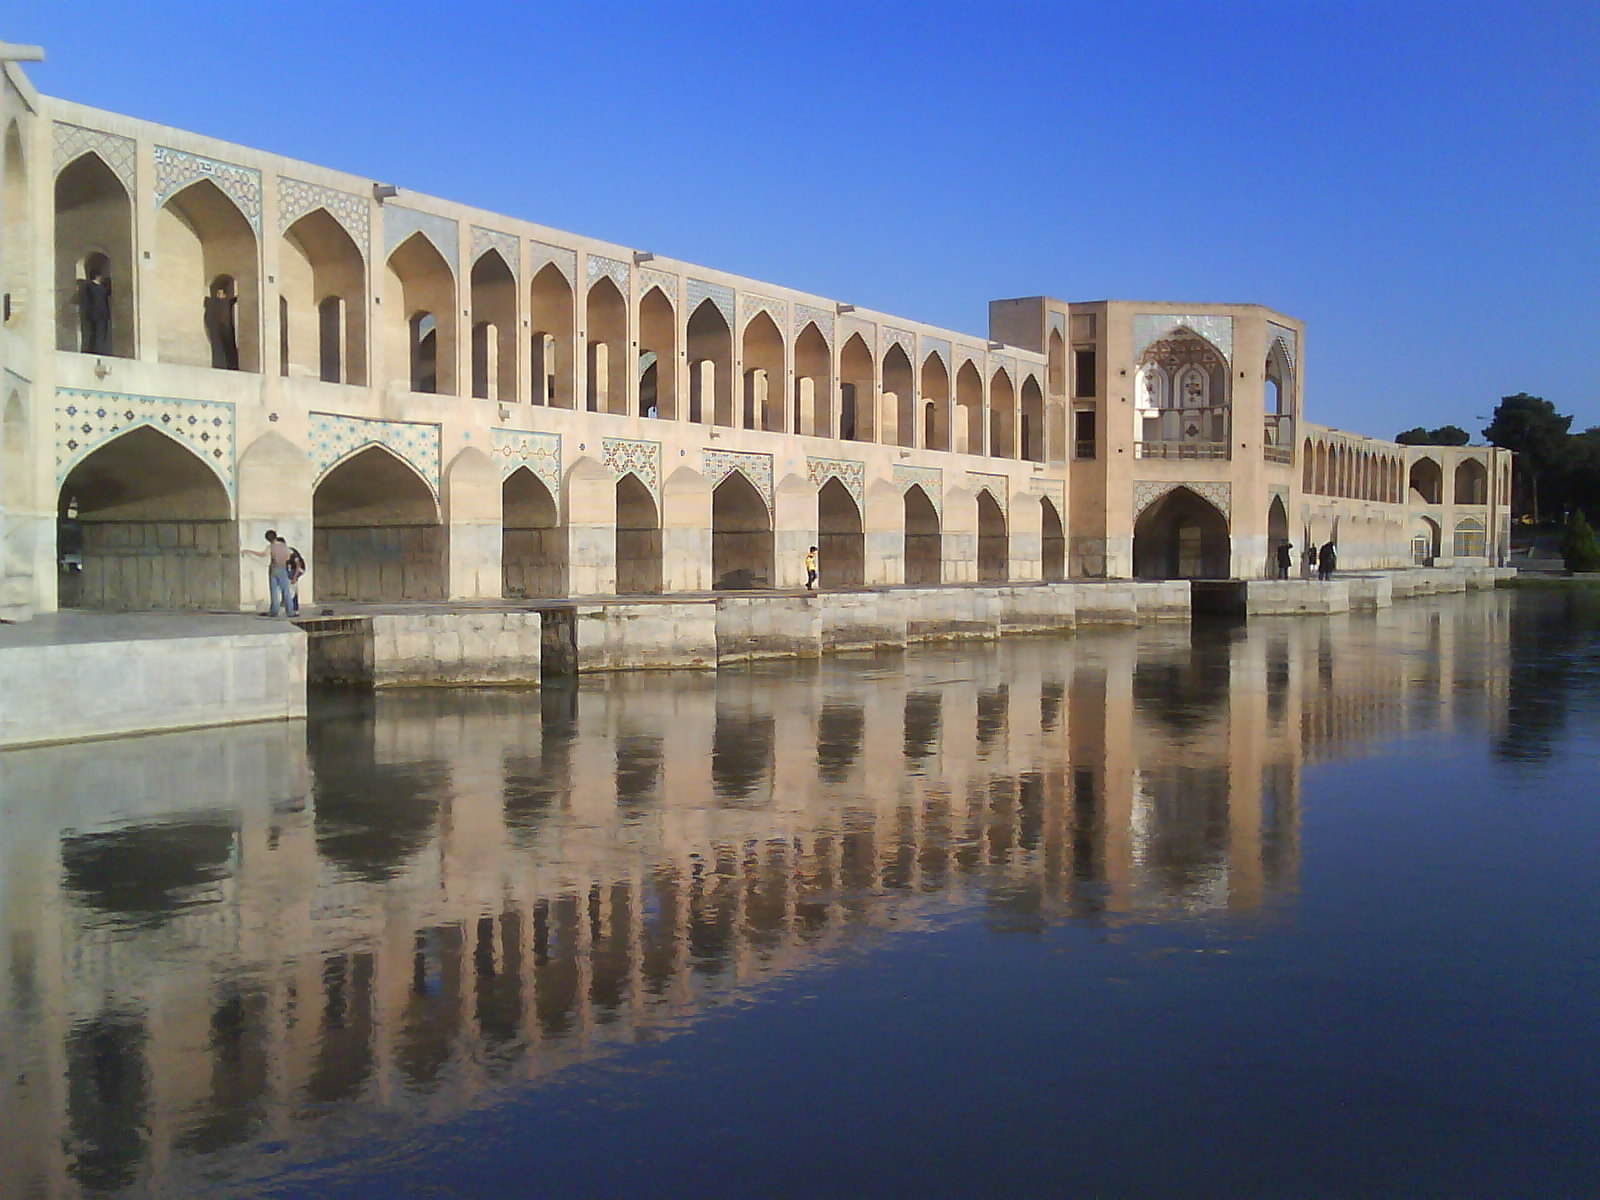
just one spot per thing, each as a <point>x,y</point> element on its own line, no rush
<point>811,568</point>
<point>1285,559</point>
<point>1327,560</point>
<point>277,554</point>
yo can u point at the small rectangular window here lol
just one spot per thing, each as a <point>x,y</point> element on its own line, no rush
<point>1083,433</point>
<point>1083,371</point>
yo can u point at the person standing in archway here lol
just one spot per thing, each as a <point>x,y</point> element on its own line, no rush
<point>811,568</point>
<point>1285,559</point>
<point>94,311</point>
<point>1327,560</point>
<point>279,586</point>
<point>219,309</point>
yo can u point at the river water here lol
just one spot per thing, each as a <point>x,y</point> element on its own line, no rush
<point>1306,909</point>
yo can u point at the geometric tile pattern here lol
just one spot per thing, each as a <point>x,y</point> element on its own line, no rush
<point>296,198</point>
<point>640,458</point>
<point>1055,490</point>
<point>998,487</point>
<point>1008,365</point>
<point>853,475</point>
<point>400,223</point>
<point>931,480</point>
<point>618,271</point>
<point>177,169</point>
<point>649,278</point>
<point>1149,327</point>
<point>750,304</point>
<point>822,318</point>
<point>700,290</point>
<point>87,420</point>
<point>756,468</point>
<point>335,438</point>
<point>507,245</point>
<point>940,347</point>
<point>117,152</point>
<point>1280,333</point>
<point>903,338</point>
<point>1147,491</point>
<point>566,261</point>
<point>853,326</point>
<point>539,452</point>
<point>971,354</point>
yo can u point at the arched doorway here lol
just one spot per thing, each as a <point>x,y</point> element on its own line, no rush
<point>145,524</point>
<point>935,393</point>
<point>841,545</point>
<point>969,410</point>
<point>638,539</point>
<point>1181,536</point>
<point>94,234</point>
<point>533,545</point>
<point>924,547</point>
<point>1424,542</point>
<point>1277,534</point>
<point>1427,481</point>
<point>994,547</point>
<point>741,535</point>
<point>378,537</point>
<point>1052,542</point>
<point>322,280</point>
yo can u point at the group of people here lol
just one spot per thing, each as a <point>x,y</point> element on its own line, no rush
<point>94,314</point>
<point>1322,561</point>
<point>285,566</point>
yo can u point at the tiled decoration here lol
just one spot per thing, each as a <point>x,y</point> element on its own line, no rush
<point>1281,491</point>
<point>86,420</point>
<point>699,290</point>
<point>903,338</point>
<point>940,347</point>
<point>750,304</point>
<point>642,458</point>
<point>335,438</point>
<point>1147,492</point>
<point>1150,327</point>
<point>997,486</point>
<point>539,452</point>
<point>1008,365</point>
<point>822,318</point>
<point>1286,337</point>
<point>757,468</point>
<point>506,244</point>
<point>931,479</point>
<point>1055,490</point>
<point>848,472</point>
<point>400,223</point>
<point>852,326</point>
<point>649,278</point>
<point>974,355</point>
<point>540,254</point>
<point>296,198</point>
<point>177,169</point>
<point>613,268</point>
<point>117,152</point>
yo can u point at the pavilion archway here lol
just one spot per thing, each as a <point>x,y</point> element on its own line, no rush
<point>994,546</point>
<point>152,526</point>
<point>638,538</point>
<point>377,534</point>
<point>533,543</point>
<point>1181,536</point>
<point>841,542</point>
<point>741,535</point>
<point>924,544</point>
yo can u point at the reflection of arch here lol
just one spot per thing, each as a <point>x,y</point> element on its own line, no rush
<point>152,525</point>
<point>377,535</point>
<point>1469,539</point>
<point>322,278</point>
<point>1472,482</point>
<point>201,235</point>
<point>1052,542</point>
<point>494,328</point>
<point>709,346</point>
<point>841,544</point>
<point>533,544</point>
<point>924,546</point>
<point>741,535</point>
<point>994,547</point>
<point>550,341</point>
<point>1427,481</point>
<point>1181,536</point>
<point>421,325</point>
<point>93,216</point>
<point>638,538</point>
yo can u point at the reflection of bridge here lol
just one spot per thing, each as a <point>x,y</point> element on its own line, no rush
<point>428,898</point>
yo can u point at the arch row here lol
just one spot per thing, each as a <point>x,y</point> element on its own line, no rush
<point>1350,470</point>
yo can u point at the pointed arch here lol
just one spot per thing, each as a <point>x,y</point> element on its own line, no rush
<point>935,402</point>
<point>638,538</point>
<point>1277,535</point>
<point>94,238</point>
<point>420,312</point>
<point>1427,480</point>
<point>1030,429</point>
<point>994,544</point>
<point>1181,536</point>
<point>924,541</point>
<point>1472,482</point>
<point>550,344</point>
<point>1002,415</point>
<point>1056,360</point>
<point>969,431</point>
<point>1183,398</point>
<point>17,231</point>
<point>813,383</point>
<point>899,406</point>
<point>762,353</point>
<point>1052,542</point>
<point>709,346</point>
<point>322,277</point>
<point>494,328</point>
<point>533,542</point>
<point>841,543</point>
<point>377,532</point>
<point>858,390</point>
<point>658,343</point>
<point>206,246</point>
<point>741,535</point>
<point>606,334</point>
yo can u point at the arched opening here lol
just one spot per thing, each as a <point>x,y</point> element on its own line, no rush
<point>322,286</point>
<point>1182,399</point>
<point>709,343</point>
<point>144,524</point>
<point>607,335</point>
<point>421,305</point>
<point>658,336</point>
<point>1277,406</point>
<point>206,305</point>
<point>762,350</point>
<point>1322,469</point>
<point>1470,540</point>
<point>494,329</point>
<point>1181,536</point>
<point>858,389</point>
<point>1472,482</point>
<point>1308,467</point>
<point>533,543</point>
<point>741,535</point>
<point>969,410</point>
<point>1277,535</point>
<point>1056,363</point>
<point>18,230</point>
<point>899,400</point>
<point>94,261</point>
<point>841,546</point>
<point>638,539</point>
<point>1002,416</point>
<point>813,383</point>
<point>1427,481</point>
<point>377,532</point>
<point>1424,541</point>
<point>550,344</point>
<point>935,403</point>
<point>1052,542</point>
<point>924,546</point>
<point>994,547</point>
<point>1032,428</point>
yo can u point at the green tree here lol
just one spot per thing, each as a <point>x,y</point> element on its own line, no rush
<point>1532,428</point>
<point>1578,548</point>
<point>1445,435</point>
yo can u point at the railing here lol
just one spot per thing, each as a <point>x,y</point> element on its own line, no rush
<point>1277,439</point>
<point>1278,454</point>
<point>1083,449</point>
<point>1190,450</point>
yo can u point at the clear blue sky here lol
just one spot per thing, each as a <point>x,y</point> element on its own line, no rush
<point>1419,182</point>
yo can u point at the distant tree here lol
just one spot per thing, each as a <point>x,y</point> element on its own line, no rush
<point>1445,435</point>
<point>1578,548</point>
<point>1581,473</point>
<point>1532,428</point>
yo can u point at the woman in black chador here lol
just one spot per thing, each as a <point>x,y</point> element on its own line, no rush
<point>219,328</point>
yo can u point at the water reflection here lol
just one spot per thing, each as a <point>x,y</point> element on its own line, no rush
<point>416,898</point>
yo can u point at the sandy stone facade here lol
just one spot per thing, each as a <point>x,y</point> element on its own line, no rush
<point>439,403</point>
